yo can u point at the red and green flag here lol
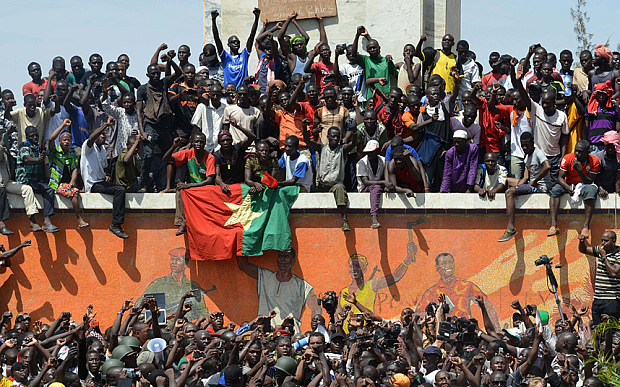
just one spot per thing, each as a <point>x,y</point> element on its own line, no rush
<point>223,226</point>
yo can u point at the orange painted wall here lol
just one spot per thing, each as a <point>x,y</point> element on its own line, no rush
<point>67,270</point>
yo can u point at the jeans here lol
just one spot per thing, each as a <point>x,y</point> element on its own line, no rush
<point>608,307</point>
<point>350,179</point>
<point>118,202</point>
<point>48,196</point>
<point>161,141</point>
<point>555,167</point>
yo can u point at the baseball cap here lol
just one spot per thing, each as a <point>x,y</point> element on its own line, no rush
<point>503,59</point>
<point>514,332</point>
<point>460,134</point>
<point>371,146</point>
<point>398,380</point>
<point>432,350</point>
<point>544,317</point>
<point>210,52</point>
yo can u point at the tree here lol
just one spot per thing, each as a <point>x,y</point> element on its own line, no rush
<point>581,18</point>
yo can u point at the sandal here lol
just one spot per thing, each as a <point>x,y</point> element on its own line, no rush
<point>345,225</point>
<point>375,225</point>
<point>553,231</point>
<point>508,235</point>
<point>50,228</point>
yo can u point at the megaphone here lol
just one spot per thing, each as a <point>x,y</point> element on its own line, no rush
<point>157,346</point>
<point>300,343</point>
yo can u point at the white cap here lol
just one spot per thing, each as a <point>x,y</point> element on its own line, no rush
<point>371,146</point>
<point>460,134</point>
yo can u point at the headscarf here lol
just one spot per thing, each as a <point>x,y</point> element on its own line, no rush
<point>223,133</point>
<point>603,52</point>
<point>604,87</point>
<point>612,137</point>
<point>298,38</point>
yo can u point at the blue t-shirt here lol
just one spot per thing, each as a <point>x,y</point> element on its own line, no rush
<point>388,153</point>
<point>300,168</point>
<point>235,68</point>
<point>79,127</point>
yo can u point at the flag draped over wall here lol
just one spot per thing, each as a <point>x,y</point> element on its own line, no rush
<point>223,226</point>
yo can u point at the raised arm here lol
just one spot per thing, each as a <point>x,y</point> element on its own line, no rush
<point>216,34</point>
<point>284,45</point>
<point>155,57</point>
<point>250,42</point>
<point>176,144</point>
<point>248,268</point>
<point>312,144</point>
<point>301,29</point>
<point>250,136</point>
<point>515,78</point>
<point>47,93</point>
<point>56,133</point>
<point>354,49</point>
<point>322,33</point>
<point>418,48</point>
<point>93,136</point>
<point>298,92</point>
<point>132,151</point>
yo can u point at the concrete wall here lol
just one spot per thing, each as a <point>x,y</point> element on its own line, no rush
<point>393,23</point>
<point>67,270</point>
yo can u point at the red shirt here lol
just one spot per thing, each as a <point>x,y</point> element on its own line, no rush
<point>321,70</point>
<point>392,120</point>
<point>309,110</point>
<point>492,78</point>
<point>33,88</point>
<point>491,136</point>
<point>572,176</point>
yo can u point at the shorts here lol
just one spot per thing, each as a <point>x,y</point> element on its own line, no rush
<point>588,192</point>
<point>66,190</point>
<point>526,189</point>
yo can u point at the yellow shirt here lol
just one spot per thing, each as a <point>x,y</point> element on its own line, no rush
<point>22,121</point>
<point>443,67</point>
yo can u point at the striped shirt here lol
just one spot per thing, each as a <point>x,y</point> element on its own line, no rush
<point>606,287</point>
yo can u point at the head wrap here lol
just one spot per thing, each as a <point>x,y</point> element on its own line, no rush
<point>223,133</point>
<point>200,68</point>
<point>603,52</point>
<point>297,38</point>
<point>612,137</point>
<point>603,87</point>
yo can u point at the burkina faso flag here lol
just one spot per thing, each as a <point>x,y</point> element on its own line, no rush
<point>223,226</point>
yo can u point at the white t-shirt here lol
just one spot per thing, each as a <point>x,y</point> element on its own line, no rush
<point>363,168</point>
<point>209,120</point>
<point>296,168</point>
<point>92,163</point>
<point>548,129</point>
<point>473,132</point>
<point>523,125</point>
<point>534,164</point>
<point>355,75</point>
<point>246,118</point>
<point>54,121</point>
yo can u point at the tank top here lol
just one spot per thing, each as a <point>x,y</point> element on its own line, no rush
<point>596,79</point>
<point>299,66</point>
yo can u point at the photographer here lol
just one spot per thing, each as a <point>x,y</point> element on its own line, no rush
<point>607,283</point>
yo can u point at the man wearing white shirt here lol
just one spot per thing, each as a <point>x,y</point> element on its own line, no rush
<point>470,73</point>
<point>208,118</point>
<point>93,162</point>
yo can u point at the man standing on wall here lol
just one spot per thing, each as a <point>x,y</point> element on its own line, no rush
<point>281,290</point>
<point>607,283</point>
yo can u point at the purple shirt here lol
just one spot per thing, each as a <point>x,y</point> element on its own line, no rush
<point>460,169</point>
<point>601,122</point>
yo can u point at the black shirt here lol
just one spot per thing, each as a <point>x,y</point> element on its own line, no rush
<point>232,171</point>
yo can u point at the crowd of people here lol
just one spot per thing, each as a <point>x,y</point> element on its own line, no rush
<point>433,122</point>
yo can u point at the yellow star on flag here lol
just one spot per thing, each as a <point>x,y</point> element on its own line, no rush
<point>242,213</point>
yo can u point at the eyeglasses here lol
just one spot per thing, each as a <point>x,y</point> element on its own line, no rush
<point>447,40</point>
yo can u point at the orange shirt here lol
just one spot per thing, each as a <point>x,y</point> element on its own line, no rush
<point>572,176</point>
<point>290,125</point>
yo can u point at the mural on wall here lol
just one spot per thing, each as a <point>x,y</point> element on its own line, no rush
<point>173,286</point>
<point>406,263</point>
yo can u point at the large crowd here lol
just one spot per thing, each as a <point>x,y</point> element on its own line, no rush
<point>434,121</point>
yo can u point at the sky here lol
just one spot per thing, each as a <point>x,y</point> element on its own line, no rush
<point>138,27</point>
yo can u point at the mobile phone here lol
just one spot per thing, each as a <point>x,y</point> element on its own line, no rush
<point>412,369</point>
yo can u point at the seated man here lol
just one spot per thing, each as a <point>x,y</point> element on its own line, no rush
<point>295,165</point>
<point>331,169</point>
<point>536,179</point>
<point>229,158</point>
<point>257,165</point>
<point>371,178</point>
<point>578,171</point>
<point>403,173</point>
<point>126,171</point>
<point>608,177</point>
<point>200,171</point>
<point>490,178</point>
<point>30,171</point>
<point>459,172</point>
<point>64,169</point>
<point>93,164</point>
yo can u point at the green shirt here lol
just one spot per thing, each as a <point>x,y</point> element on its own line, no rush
<point>125,174</point>
<point>57,161</point>
<point>380,68</point>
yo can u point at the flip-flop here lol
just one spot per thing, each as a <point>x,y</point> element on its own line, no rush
<point>553,231</point>
<point>375,225</point>
<point>51,228</point>
<point>345,226</point>
<point>82,227</point>
<point>36,228</point>
<point>508,235</point>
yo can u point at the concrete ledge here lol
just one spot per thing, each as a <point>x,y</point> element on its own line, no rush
<point>358,201</point>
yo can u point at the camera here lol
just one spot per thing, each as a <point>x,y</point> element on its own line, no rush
<point>543,260</point>
<point>390,335</point>
<point>329,302</point>
<point>132,373</point>
<point>446,328</point>
<point>431,309</point>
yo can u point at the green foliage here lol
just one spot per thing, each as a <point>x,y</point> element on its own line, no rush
<point>608,366</point>
<point>580,18</point>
